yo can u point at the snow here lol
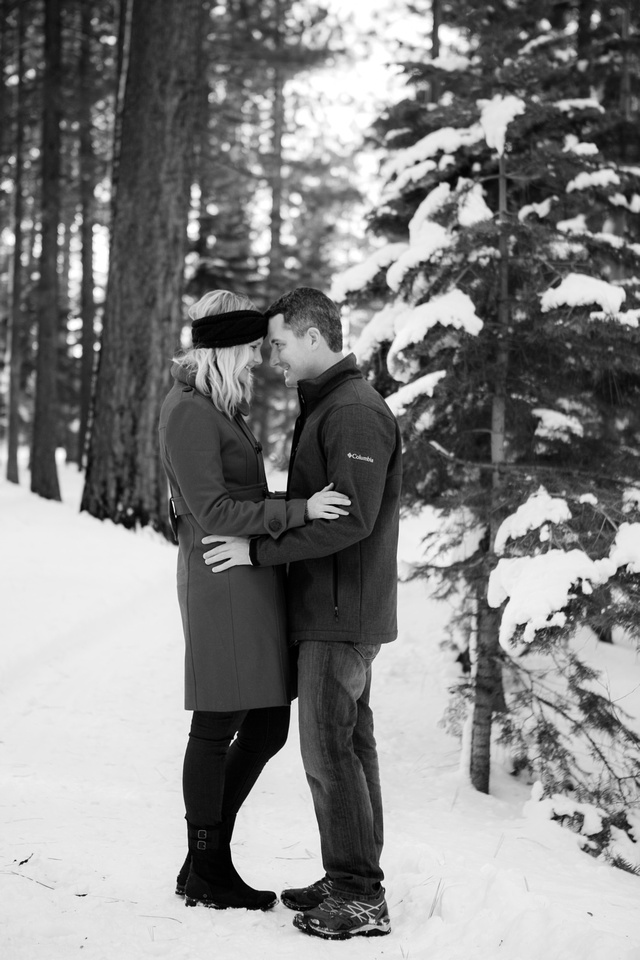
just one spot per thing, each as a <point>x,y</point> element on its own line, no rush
<point>430,241</point>
<point>631,499</point>
<point>619,200</point>
<point>578,289</point>
<point>433,202</point>
<point>594,178</point>
<point>541,209</point>
<point>628,318</point>
<point>557,426</point>
<point>92,744</point>
<point>536,588</point>
<point>451,309</point>
<point>380,327</point>
<point>539,509</point>
<point>577,224</point>
<point>496,115</point>
<point>450,62</point>
<point>423,386</point>
<point>625,551</point>
<point>358,276</point>
<point>472,207</point>
<point>586,103</point>
<point>427,536</point>
<point>573,145</point>
<point>411,175</point>
<point>446,140</point>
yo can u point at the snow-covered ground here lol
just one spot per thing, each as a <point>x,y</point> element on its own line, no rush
<point>92,736</point>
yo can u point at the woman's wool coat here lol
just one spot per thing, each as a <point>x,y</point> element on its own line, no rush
<point>236,651</point>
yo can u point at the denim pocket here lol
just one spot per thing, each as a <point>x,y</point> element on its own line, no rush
<point>368,651</point>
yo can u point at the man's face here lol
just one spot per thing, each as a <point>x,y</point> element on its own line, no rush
<point>292,354</point>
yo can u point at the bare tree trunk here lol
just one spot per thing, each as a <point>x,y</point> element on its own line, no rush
<point>143,310</point>
<point>488,692</point>
<point>276,256</point>
<point>123,45</point>
<point>15,332</point>
<point>625,73</point>
<point>44,475</point>
<point>87,186</point>
<point>436,12</point>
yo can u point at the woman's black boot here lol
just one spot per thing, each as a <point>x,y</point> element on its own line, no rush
<point>213,880</point>
<point>181,879</point>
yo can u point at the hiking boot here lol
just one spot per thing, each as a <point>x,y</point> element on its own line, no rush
<point>339,918</point>
<point>306,898</point>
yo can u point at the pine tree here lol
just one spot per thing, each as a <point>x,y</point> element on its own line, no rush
<point>511,315</point>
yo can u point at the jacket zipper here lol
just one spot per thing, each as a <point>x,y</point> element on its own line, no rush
<point>335,588</point>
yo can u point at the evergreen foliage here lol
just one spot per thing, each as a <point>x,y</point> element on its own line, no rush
<point>515,370</point>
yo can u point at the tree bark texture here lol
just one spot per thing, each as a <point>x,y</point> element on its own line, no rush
<point>44,475</point>
<point>15,337</point>
<point>276,255</point>
<point>125,481</point>
<point>488,691</point>
<point>87,186</point>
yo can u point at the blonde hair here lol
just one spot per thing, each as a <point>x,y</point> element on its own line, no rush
<point>217,369</point>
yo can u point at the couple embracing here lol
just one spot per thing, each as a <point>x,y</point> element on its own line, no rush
<point>261,577</point>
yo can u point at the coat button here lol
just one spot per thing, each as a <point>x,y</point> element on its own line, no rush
<point>275,525</point>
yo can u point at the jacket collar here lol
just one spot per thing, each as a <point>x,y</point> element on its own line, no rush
<point>312,391</point>
<point>182,376</point>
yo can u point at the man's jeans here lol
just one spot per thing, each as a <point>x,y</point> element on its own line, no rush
<point>341,762</point>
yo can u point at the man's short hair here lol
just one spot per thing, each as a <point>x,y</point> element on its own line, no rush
<point>307,307</point>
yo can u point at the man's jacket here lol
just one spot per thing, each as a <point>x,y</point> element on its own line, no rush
<point>342,576</point>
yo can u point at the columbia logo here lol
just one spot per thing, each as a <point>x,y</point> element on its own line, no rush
<point>356,456</point>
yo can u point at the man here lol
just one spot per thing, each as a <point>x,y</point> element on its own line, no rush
<point>342,599</point>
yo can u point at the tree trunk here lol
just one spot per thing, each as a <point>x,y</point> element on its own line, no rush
<point>143,309</point>
<point>122,61</point>
<point>15,332</point>
<point>276,256</point>
<point>87,186</point>
<point>44,476</point>
<point>436,13</point>
<point>488,691</point>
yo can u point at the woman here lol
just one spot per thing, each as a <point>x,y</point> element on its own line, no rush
<point>237,675</point>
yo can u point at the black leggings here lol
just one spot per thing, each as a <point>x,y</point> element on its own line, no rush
<point>219,771</point>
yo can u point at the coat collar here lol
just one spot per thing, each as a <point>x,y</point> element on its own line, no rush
<point>183,376</point>
<point>312,391</point>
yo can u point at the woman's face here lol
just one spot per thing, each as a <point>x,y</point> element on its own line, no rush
<point>255,359</point>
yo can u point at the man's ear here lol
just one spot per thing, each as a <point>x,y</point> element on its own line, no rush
<point>315,337</point>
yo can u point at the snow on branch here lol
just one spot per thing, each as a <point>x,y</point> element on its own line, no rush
<point>594,178</point>
<point>444,140</point>
<point>577,289</point>
<point>472,207</point>
<point>495,117</point>
<point>358,276</point>
<point>423,386</point>
<point>537,588</point>
<point>379,329</point>
<point>540,209</point>
<point>452,309</point>
<point>586,103</point>
<point>430,241</point>
<point>538,510</point>
<point>555,425</point>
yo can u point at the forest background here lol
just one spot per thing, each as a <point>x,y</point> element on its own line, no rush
<point>477,168</point>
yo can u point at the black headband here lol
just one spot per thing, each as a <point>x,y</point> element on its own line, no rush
<point>229,329</point>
